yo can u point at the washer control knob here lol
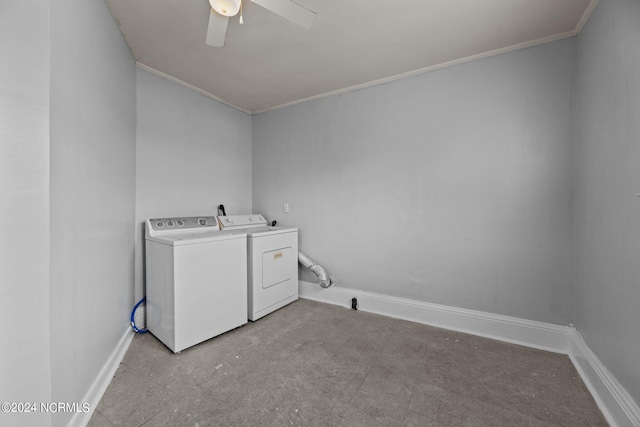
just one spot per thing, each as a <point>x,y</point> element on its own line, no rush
<point>229,220</point>
<point>159,224</point>
<point>170,223</point>
<point>202,221</point>
<point>180,223</point>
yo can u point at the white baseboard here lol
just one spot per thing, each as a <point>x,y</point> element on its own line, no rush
<point>545,336</point>
<point>614,401</point>
<point>99,386</point>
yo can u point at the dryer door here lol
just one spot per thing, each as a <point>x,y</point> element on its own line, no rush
<point>276,266</point>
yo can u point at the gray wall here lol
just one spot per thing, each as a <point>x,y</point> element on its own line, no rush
<point>24,207</point>
<point>193,153</point>
<point>453,187</point>
<point>608,210</point>
<point>92,194</point>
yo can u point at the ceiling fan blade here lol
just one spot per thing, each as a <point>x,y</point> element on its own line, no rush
<point>290,10</point>
<point>217,31</point>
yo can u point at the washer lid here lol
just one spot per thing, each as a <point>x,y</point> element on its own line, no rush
<point>234,222</point>
<point>197,238</point>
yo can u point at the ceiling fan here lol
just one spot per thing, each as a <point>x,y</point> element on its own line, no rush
<point>222,10</point>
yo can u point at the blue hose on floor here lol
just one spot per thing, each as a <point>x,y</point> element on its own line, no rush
<point>133,322</point>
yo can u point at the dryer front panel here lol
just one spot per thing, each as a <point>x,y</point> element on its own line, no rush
<point>276,267</point>
<point>273,272</point>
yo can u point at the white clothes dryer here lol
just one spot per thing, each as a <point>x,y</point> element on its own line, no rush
<point>196,280</point>
<point>272,263</point>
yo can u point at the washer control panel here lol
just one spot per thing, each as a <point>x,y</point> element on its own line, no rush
<point>163,226</point>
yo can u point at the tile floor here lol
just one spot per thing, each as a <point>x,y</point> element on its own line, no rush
<point>314,364</point>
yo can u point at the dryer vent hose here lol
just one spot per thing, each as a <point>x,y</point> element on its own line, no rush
<point>323,279</point>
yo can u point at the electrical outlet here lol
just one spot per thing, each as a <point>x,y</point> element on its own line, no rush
<point>285,208</point>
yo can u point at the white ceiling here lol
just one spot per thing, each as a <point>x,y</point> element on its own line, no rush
<point>269,62</point>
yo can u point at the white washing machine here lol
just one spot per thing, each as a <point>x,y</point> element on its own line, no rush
<point>196,280</point>
<point>272,262</point>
